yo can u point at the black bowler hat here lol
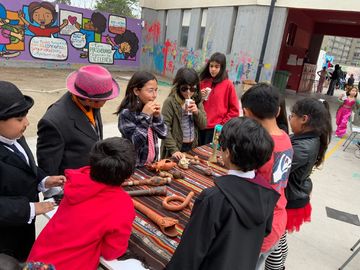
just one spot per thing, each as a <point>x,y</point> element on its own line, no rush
<point>12,101</point>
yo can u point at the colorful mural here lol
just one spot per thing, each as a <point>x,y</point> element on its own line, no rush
<point>167,57</point>
<point>44,31</point>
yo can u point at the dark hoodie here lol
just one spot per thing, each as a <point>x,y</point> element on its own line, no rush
<point>227,226</point>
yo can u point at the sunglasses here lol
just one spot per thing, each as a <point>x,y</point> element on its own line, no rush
<point>185,88</point>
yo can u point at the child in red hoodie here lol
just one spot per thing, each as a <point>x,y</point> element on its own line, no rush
<point>95,216</point>
<point>220,100</point>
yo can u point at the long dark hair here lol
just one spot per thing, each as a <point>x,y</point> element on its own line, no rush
<point>319,120</point>
<point>282,119</point>
<point>131,101</point>
<point>219,58</point>
<point>187,76</point>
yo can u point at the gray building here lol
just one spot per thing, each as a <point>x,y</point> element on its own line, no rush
<point>346,51</point>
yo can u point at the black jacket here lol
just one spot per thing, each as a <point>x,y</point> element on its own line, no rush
<point>18,187</point>
<point>65,137</point>
<point>306,148</point>
<point>227,226</point>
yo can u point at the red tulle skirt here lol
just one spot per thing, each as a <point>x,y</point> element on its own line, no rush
<point>297,216</point>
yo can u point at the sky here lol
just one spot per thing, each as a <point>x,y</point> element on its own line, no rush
<point>91,4</point>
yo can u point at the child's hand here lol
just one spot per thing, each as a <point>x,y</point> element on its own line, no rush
<point>193,108</point>
<point>203,92</point>
<point>55,181</point>
<point>43,207</point>
<point>21,14</point>
<point>157,110</point>
<point>178,155</point>
<point>150,108</point>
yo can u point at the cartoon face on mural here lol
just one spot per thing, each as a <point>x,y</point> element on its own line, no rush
<point>125,45</point>
<point>10,33</point>
<point>42,13</point>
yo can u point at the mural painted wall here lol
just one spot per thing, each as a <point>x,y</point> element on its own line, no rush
<point>167,57</point>
<point>42,31</point>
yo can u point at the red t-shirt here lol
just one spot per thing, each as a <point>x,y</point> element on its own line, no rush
<point>277,171</point>
<point>46,32</point>
<point>222,103</point>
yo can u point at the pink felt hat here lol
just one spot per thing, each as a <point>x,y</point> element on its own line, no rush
<point>92,82</point>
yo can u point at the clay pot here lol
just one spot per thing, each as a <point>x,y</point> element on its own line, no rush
<point>162,165</point>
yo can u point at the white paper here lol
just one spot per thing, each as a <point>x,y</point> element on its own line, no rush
<point>292,60</point>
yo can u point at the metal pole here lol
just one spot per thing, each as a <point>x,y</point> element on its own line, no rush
<point>266,37</point>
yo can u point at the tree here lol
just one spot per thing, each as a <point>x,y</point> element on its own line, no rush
<point>118,7</point>
<point>67,2</point>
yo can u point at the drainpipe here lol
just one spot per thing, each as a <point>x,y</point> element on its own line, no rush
<point>266,37</point>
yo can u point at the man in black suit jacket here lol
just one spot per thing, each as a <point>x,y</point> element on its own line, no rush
<point>20,178</point>
<point>72,125</point>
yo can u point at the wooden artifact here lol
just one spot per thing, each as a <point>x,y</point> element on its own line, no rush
<point>156,191</point>
<point>152,181</point>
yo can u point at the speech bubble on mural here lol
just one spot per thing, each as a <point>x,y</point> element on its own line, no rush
<point>117,25</point>
<point>78,40</point>
<point>49,48</point>
<point>101,53</point>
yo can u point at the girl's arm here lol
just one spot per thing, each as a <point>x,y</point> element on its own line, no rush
<point>233,103</point>
<point>22,18</point>
<point>65,23</point>
<point>134,127</point>
<point>168,114</point>
<point>200,118</point>
<point>340,98</point>
<point>159,126</point>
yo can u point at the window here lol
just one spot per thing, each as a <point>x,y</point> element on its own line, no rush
<point>290,38</point>
<point>232,30</point>
<point>202,28</point>
<point>185,27</point>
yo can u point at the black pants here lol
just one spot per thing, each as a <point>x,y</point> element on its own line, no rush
<point>332,86</point>
<point>206,136</point>
<point>186,147</point>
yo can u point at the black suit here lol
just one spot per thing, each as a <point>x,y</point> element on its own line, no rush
<point>65,137</point>
<point>18,187</point>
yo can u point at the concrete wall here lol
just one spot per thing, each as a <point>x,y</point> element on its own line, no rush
<point>237,32</point>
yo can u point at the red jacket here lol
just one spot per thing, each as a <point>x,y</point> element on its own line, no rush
<point>93,220</point>
<point>222,103</point>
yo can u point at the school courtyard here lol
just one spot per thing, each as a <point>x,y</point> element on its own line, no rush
<point>322,244</point>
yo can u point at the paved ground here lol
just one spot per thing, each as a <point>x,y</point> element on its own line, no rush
<point>322,244</point>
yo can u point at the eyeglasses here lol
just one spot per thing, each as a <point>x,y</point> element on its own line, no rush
<point>185,88</point>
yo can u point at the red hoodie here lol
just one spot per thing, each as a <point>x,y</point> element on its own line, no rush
<point>93,220</point>
<point>222,103</point>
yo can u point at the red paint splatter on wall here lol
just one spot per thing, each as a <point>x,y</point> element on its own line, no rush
<point>153,32</point>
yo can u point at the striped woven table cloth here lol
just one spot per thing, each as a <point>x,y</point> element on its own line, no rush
<point>147,243</point>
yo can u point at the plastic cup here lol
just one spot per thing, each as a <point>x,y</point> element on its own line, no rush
<point>208,90</point>
<point>188,101</point>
